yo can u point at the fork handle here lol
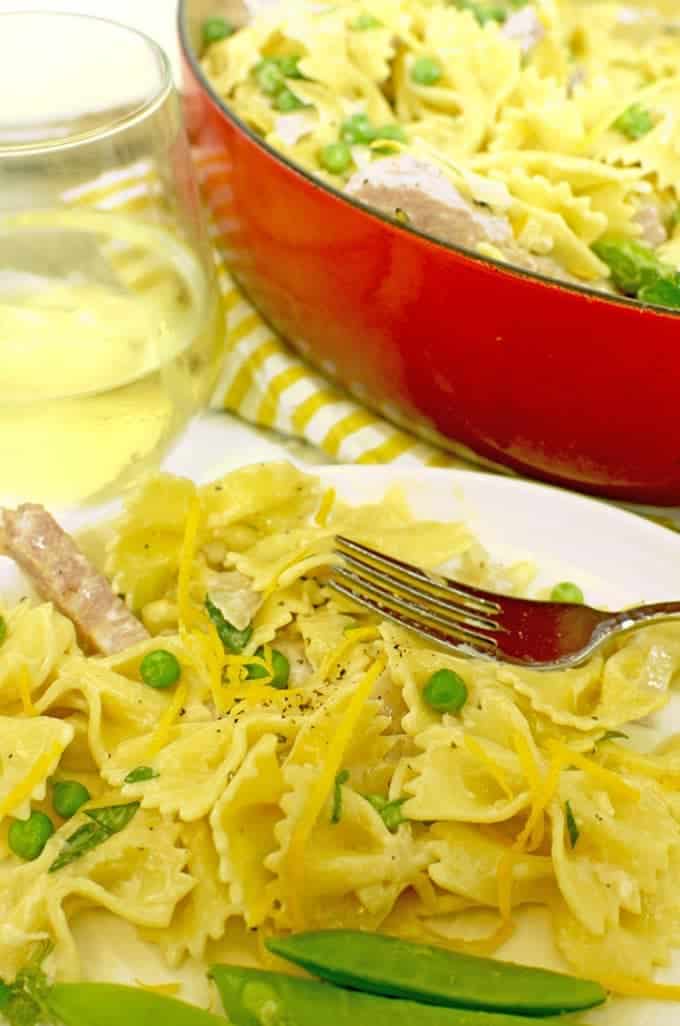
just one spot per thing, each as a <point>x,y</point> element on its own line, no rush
<point>655,612</point>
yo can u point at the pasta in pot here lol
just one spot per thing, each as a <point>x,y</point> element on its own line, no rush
<point>536,132</point>
<point>337,795</point>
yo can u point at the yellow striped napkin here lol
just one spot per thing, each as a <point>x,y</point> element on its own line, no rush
<point>262,380</point>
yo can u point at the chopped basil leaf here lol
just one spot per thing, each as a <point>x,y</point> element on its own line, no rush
<point>234,641</point>
<point>105,823</point>
<point>572,827</point>
<point>341,778</point>
<point>139,774</point>
<point>389,812</point>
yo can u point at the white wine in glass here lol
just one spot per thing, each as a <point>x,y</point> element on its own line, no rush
<point>111,326</point>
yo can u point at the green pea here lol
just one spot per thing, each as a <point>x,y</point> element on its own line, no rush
<point>28,837</point>
<point>426,71</point>
<point>269,77</point>
<point>357,130</point>
<point>395,132</point>
<point>567,591</point>
<point>280,666</point>
<point>3,629</point>
<point>365,21</point>
<point>466,985</point>
<point>335,157</point>
<point>635,122</point>
<point>445,691</point>
<point>68,796</point>
<point>214,29</point>
<point>286,101</point>
<point>160,669</point>
<point>289,66</point>
<point>109,1004</point>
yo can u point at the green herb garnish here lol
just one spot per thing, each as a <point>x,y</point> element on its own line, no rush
<point>139,774</point>
<point>613,735</point>
<point>572,826</point>
<point>234,641</point>
<point>3,629</point>
<point>664,292</point>
<point>341,778</point>
<point>105,823</point>
<point>389,811</point>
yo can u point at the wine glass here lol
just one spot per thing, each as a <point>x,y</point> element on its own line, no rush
<point>111,326</point>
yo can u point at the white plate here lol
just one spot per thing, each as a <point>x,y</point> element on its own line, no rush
<point>616,557</point>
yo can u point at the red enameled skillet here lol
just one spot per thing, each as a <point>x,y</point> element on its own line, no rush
<point>551,381</point>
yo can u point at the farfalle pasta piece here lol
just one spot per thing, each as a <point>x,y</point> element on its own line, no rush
<point>270,497</point>
<point>613,850</point>
<point>605,693</point>
<point>143,554</point>
<point>243,823</point>
<point>36,642</point>
<point>30,750</point>
<point>466,863</point>
<point>191,769</point>
<point>202,914</point>
<point>137,874</point>
<point>354,869</point>
<point>117,709</point>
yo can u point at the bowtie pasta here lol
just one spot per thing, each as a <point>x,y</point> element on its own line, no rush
<point>541,133</point>
<point>275,757</point>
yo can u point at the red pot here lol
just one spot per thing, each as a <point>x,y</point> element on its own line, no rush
<point>552,381</point>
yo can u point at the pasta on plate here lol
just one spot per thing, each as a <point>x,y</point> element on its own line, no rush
<point>291,772</point>
<point>536,132</point>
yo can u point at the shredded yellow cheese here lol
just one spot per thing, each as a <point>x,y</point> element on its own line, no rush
<point>327,502</point>
<point>187,613</point>
<point>352,638</point>
<point>640,988</point>
<point>161,734</point>
<point>25,692</point>
<point>495,769</point>
<point>22,791</point>
<point>323,784</point>
<point>608,780</point>
<point>532,773</point>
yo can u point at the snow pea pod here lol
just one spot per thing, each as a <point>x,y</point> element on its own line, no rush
<point>112,1004</point>
<point>252,997</point>
<point>387,965</point>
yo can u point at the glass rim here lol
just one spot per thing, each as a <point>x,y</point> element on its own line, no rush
<point>108,128</point>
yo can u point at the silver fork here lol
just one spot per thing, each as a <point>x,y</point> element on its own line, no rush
<point>542,635</point>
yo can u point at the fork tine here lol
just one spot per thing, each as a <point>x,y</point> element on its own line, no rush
<point>451,633</point>
<point>438,586</point>
<point>366,574</point>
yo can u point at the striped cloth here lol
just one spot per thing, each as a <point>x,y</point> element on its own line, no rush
<point>262,380</point>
